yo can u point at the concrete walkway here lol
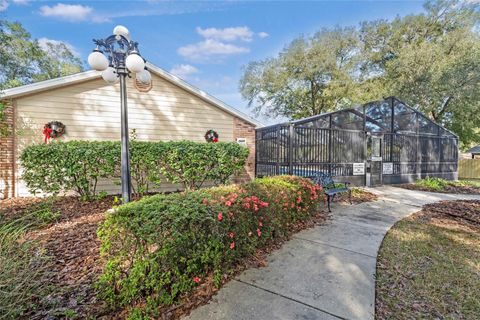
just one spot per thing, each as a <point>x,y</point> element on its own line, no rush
<point>322,273</point>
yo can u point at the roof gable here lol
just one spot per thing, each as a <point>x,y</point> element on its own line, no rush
<point>92,74</point>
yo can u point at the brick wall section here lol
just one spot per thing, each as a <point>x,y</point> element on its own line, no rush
<point>7,156</point>
<point>243,129</point>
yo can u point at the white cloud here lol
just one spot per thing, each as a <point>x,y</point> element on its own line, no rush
<point>20,2</point>
<point>183,70</point>
<point>227,34</point>
<point>263,34</point>
<point>204,50</point>
<point>69,12</point>
<point>43,44</point>
<point>3,5</point>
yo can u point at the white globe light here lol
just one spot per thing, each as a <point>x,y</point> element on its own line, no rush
<point>121,31</point>
<point>144,76</point>
<point>134,63</point>
<point>109,75</point>
<point>97,61</point>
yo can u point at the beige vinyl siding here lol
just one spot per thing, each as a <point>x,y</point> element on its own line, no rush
<point>91,111</point>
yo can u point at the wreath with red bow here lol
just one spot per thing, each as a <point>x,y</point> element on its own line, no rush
<point>53,129</point>
<point>211,136</point>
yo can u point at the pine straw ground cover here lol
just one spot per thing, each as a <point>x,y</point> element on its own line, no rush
<point>50,261</point>
<point>429,264</point>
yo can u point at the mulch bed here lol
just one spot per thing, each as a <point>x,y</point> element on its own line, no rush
<point>462,211</point>
<point>447,189</point>
<point>358,196</point>
<point>73,246</point>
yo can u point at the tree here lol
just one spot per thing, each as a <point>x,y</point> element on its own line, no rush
<point>310,76</point>
<point>429,60</point>
<point>22,59</point>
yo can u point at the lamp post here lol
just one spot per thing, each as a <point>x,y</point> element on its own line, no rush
<point>121,60</point>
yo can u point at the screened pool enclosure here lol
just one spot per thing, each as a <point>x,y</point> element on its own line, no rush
<point>381,142</point>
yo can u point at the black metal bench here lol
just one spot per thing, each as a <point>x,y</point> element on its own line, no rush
<point>331,189</point>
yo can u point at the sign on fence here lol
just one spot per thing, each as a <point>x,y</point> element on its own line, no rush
<point>358,169</point>
<point>387,168</point>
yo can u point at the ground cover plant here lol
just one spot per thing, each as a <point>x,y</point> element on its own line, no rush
<point>434,184</point>
<point>428,264</point>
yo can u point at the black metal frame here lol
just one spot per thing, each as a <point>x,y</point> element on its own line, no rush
<point>332,142</point>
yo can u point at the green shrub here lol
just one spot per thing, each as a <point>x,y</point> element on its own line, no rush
<point>433,183</point>
<point>162,246</point>
<point>72,166</point>
<point>144,166</point>
<point>78,165</point>
<point>192,164</point>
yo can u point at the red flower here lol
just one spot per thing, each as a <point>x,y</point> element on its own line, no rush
<point>247,205</point>
<point>220,217</point>
<point>228,203</point>
<point>299,199</point>
<point>231,234</point>
<point>259,232</point>
<point>232,245</point>
<point>196,279</point>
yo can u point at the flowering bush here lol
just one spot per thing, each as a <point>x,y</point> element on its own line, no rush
<point>163,246</point>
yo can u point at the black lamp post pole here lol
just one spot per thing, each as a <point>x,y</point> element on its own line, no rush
<point>117,48</point>
<point>125,163</point>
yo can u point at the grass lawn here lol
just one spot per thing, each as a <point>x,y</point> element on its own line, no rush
<point>429,264</point>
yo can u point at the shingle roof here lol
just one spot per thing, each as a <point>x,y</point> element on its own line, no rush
<point>475,149</point>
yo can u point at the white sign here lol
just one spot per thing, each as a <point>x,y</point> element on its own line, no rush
<point>242,141</point>
<point>376,158</point>
<point>358,169</point>
<point>387,168</point>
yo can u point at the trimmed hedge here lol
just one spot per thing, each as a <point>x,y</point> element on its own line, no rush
<point>161,247</point>
<point>78,165</point>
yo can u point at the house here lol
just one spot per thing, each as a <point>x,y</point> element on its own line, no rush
<point>475,152</point>
<point>168,109</point>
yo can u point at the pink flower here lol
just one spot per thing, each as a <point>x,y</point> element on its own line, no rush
<point>220,217</point>
<point>260,224</point>
<point>259,232</point>
<point>228,203</point>
<point>299,199</point>
<point>205,201</point>
<point>247,205</point>
<point>231,234</point>
<point>232,245</point>
<point>196,279</point>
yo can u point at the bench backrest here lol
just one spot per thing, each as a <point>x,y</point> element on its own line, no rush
<point>323,179</point>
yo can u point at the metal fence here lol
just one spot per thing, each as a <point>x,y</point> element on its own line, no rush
<point>380,142</point>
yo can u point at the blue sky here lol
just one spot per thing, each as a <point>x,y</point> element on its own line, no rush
<point>205,42</point>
